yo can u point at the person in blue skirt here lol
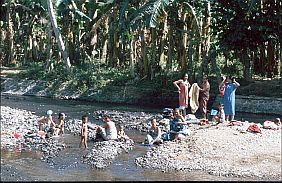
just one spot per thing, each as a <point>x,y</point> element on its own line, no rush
<point>229,97</point>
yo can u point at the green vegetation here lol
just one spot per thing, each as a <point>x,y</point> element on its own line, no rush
<point>90,44</point>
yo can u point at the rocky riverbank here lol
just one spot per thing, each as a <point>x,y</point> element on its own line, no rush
<point>103,153</point>
<point>19,131</point>
<point>221,150</point>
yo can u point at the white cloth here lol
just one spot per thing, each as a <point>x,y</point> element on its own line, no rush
<point>194,97</point>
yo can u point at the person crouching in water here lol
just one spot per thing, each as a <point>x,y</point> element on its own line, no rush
<point>84,131</point>
<point>122,136</point>
<point>220,116</point>
<point>109,130</point>
<point>154,136</point>
<point>47,124</point>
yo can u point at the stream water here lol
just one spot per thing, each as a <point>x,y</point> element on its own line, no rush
<point>27,166</point>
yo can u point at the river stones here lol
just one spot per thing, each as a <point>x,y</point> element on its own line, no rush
<point>24,122</point>
<point>219,151</point>
<point>103,153</point>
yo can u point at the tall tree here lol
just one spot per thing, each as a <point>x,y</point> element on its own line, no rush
<point>58,35</point>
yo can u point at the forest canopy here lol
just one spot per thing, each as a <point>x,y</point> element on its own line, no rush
<point>144,38</point>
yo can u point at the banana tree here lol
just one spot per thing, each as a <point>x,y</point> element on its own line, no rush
<point>151,13</point>
<point>58,34</point>
<point>10,56</point>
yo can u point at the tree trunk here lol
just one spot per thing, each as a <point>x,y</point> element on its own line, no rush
<point>58,35</point>
<point>132,58</point>
<point>105,40</point>
<point>206,39</point>
<point>144,53</point>
<point>262,61</point>
<point>49,65</point>
<point>270,59</point>
<point>71,42</point>
<point>162,42</point>
<point>10,35</point>
<point>153,62</point>
<point>170,50</point>
<point>2,47</point>
<point>245,59</point>
<point>111,42</point>
<point>182,36</point>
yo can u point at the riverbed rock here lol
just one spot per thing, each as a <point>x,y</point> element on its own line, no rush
<point>103,153</point>
<point>218,151</point>
<point>25,123</point>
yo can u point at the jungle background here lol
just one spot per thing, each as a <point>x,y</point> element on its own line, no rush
<point>144,43</point>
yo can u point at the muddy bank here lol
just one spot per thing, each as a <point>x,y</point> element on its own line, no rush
<point>221,150</point>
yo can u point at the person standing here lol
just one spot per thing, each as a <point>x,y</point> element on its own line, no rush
<point>183,85</point>
<point>204,97</point>
<point>229,97</point>
<point>60,129</point>
<point>84,131</point>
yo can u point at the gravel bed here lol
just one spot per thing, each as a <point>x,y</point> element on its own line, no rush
<point>24,122</point>
<point>221,150</point>
<point>104,152</point>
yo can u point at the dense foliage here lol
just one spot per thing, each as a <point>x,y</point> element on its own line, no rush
<point>141,39</point>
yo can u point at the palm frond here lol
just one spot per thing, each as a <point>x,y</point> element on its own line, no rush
<point>191,8</point>
<point>151,12</point>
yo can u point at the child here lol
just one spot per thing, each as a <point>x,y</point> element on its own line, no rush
<point>84,131</point>
<point>123,136</point>
<point>60,125</point>
<point>220,117</point>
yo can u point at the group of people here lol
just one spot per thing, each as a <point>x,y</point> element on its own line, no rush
<point>108,131</point>
<point>176,126</point>
<point>199,96</point>
<point>50,126</point>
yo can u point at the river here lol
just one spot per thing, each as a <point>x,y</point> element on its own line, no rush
<point>27,166</point>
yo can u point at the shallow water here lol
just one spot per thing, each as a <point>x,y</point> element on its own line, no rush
<point>27,166</point>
